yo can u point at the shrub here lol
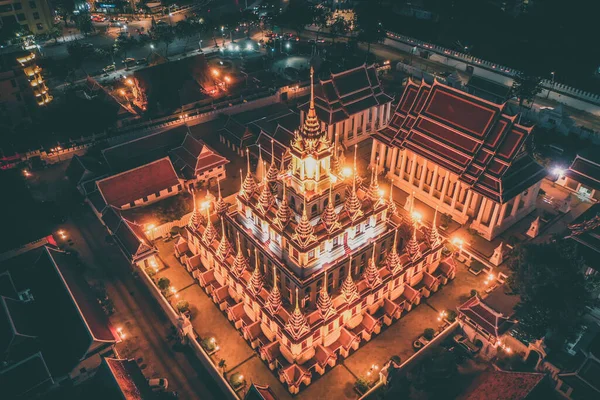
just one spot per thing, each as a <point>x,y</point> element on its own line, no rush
<point>429,333</point>
<point>445,220</point>
<point>476,266</point>
<point>182,306</point>
<point>208,344</point>
<point>361,384</point>
<point>175,230</point>
<point>236,380</point>
<point>164,284</point>
<point>396,359</point>
<point>451,316</point>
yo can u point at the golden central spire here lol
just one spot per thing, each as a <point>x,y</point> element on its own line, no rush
<point>312,126</point>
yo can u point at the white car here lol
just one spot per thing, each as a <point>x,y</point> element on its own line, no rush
<point>158,384</point>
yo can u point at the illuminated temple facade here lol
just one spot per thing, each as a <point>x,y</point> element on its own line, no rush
<point>310,262</point>
<point>460,154</point>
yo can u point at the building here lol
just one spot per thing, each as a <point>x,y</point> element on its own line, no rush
<point>488,90</point>
<point>52,330</point>
<point>195,161</point>
<point>487,321</point>
<point>120,379</point>
<point>33,15</point>
<point>138,186</point>
<point>329,267</point>
<point>507,385</point>
<point>83,172</point>
<point>460,154</point>
<point>582,381</point>
<point>22,88</point>
<point>351,105</point>
<point>583,177</point>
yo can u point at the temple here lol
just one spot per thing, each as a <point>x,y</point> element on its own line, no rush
<point>310,262</point>
<point>351,105</point>
<point>460,154</point>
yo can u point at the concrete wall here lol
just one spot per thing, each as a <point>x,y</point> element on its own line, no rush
<point>498,73</point>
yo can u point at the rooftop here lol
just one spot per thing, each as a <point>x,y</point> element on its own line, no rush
<point>504,385</point>
<point>129,186</point>
<point>585,170</point>
<point>466,135</point>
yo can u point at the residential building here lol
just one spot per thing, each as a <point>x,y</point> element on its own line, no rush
<point>351,105</point>
<point>582,381</point>
<point>329,270</point>
<point>53,329</point>
<point>583,177</point>
<point>22,88</point>
<point>34,15</point>
<point>460,154</point>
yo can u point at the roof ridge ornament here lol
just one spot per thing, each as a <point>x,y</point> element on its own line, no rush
<point>240,263</point>
<point>284,212</point>
<point>249,184</point>
<point>224,246</point>
<point>255,284</point>
<point>297,325</point>
<point>274,300</point>
<point>210,233</point>
<point>349,289</point>
<point>329,217</point>
<point>324,303</point>
<point>412,247</point>
<point>434,236</point>
<point>371,274</point>
<point>195,218</point>
<point>304,233</point>
<point>393,259</point>
<point>221,206</point>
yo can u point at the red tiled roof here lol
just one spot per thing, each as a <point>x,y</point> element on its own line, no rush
<point>469,136</point>
<point>585,171</point>
<point>126,187</point>
<point>96,321</point>
<point>503,385</point>
<point>129,378</point>
<point>491,321</point>
<point>196,157</point>
<point>348,93</point>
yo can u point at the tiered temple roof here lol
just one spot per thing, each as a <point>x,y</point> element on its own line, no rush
<point>348,93</point>
<point>297,325</point>
<point>471,137</point>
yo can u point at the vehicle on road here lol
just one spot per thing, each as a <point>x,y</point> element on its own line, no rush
<point>465,344</point>
<point>122,19</point>
<point>158,384</point>
<point>129,61</point>
<point>142,61</point>
<point>109,68</point>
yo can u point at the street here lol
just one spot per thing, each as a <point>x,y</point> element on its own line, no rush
<point>136,311</point>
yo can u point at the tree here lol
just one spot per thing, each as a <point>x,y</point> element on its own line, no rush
<point>165,34</point>
<point>83,22</point>
<point>185,30</point>
<point>554,294</point>
<point>55,32</point>
<point>321,17</point>
<point>369,25</point>
<point>9,30</point>
<point>429,333</point>
<point>64,9</point>
<point>296,16</point>
<point>339,27</point>
<point>77,54</point>
<point>526,87</point>
<point>164,284</point>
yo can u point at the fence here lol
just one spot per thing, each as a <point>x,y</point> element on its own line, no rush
<point>164,229</point>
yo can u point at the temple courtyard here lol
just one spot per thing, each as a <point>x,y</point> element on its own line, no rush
<point>209,322</point>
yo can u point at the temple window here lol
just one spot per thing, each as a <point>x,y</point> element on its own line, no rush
<point>311,254</point>
<point>330,282</point>
<point>319,285</point>
<point>338,199</point>
<point>335,241</point>
<point>313,210</point>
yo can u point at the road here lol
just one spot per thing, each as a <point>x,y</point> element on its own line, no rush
<point>136,311</point>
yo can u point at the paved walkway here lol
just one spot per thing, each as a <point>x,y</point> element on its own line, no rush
<point>397,339</point>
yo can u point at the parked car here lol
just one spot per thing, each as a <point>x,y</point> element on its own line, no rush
<point>129,61</point>
<point>142,61</point>
<point>464,342</point>
<point>158,383</point>
<point>109,68</point>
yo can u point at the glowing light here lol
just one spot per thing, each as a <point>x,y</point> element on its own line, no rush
<point>457,241</point>
<point>416,216</point>
<point>129,82</point>
<point>204,205</point>
<point>26,173</point>
<point>310,165</point>
<point>122,92</point>
<point>559,172</point>
<point>215,72</point>
<point>288,46</point>
<point>237,47</point>
<point>347,172</point>
<point>227,79</point>
<point>381,192</point>
<point>249,47</point>
<point>491,277</point>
